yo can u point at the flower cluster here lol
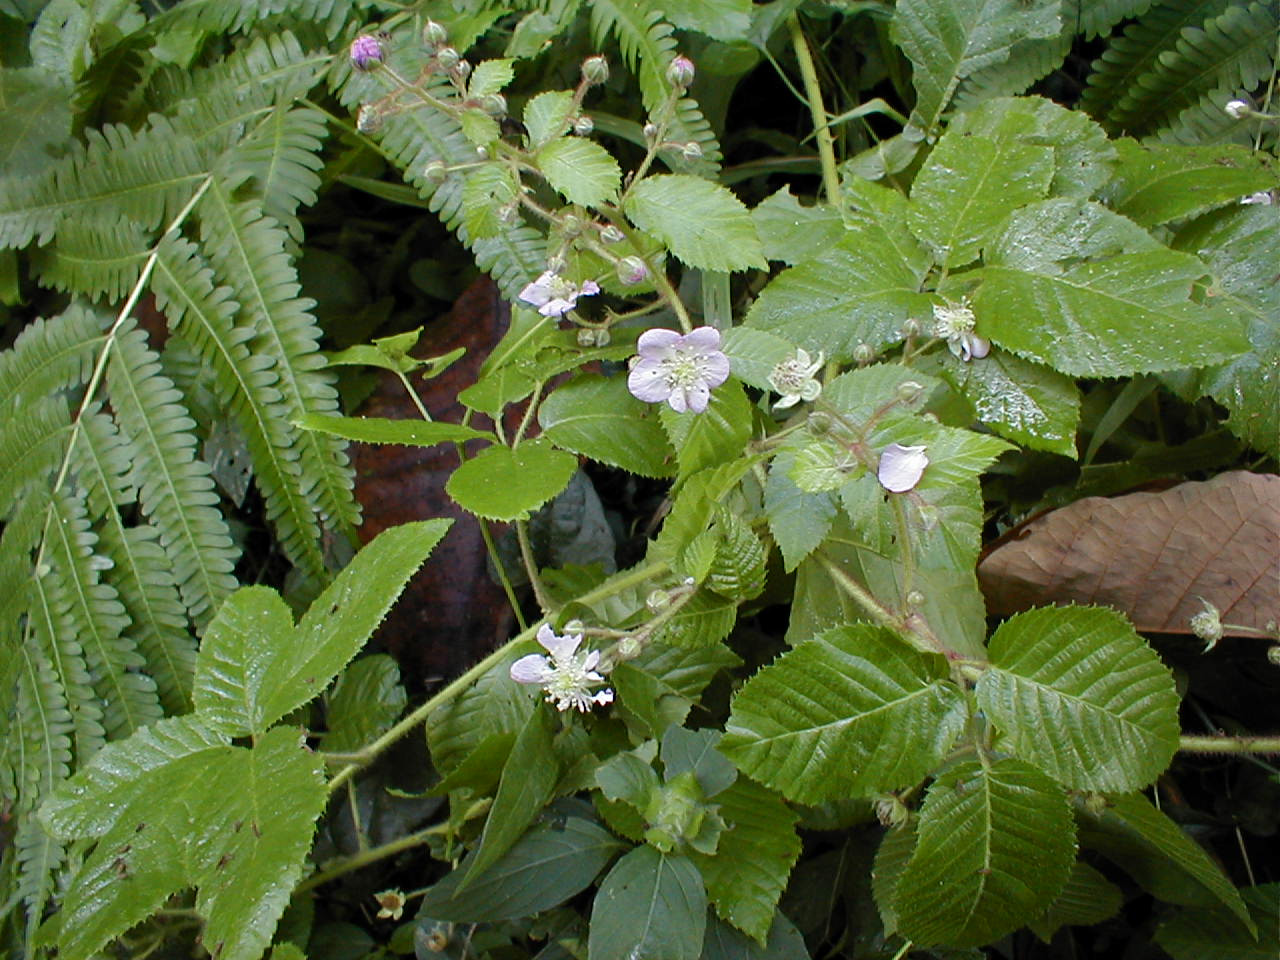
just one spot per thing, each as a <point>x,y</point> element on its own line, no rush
<point>554,296</point>
<point>954,323</point>
<point>566,675</point>
<point>680,370</point>
<point>794,379</point>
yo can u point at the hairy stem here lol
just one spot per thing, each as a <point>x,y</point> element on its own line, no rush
<point>1245,745</point>
<point>813,94</point>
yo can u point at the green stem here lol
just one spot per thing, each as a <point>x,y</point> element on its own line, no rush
<point>365,857</point>
<point>369,753</point>
<point>531,566</point>
<point>821,128</point>
<point>921,639</point>
<point>1228,745</point>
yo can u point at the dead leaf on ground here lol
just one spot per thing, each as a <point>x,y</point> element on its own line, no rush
<point>1150,555</point>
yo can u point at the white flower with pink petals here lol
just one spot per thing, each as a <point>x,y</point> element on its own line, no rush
<point>566,675</point>
<point>554,296</point>
<point>678,370</point>
<point>901,467</point>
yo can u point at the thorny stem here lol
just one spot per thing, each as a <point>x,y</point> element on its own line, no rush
<point>1229,745</point>
<point>369,753</point>
<point>531,566</point>
<point>821,128</point>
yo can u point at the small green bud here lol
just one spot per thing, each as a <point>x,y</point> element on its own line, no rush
<point>572,225</point>
<point>691,151</point>
<point>583,125</point>
<point>820,423</point>
<point>448,58</point>
<point>631,271</point>
<point>650,131</point>
<point>369,119</point>
<point>573,627</point>
<point>915,598</point>
<point>1207,625</point>
<point>911,328</point>
<point>909,391</point>
<point>1273,655</point>
<point>680,72</point>
<point>863,354</point>
<point>612,234</point>
<point>593,337</point>
<point>628,648</point>
<point>434,35</point>
<point>494,104</point>
<point>460,70</point>
<point>657,601</point>
<point>891,811</point>
<point>595,70</point>
<point>436,172</point>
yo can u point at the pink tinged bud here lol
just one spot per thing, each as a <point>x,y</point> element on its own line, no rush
<point>366,52</point>
<point>680,72</point>
<point>632,270</point>
<point>901,467</point>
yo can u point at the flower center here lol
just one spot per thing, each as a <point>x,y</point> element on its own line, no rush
<point>953,321</point>
<point>685,369</point>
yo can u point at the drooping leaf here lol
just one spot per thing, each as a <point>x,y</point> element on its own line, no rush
<point>545,867</point>
<point>1099,312</point>
<point>501,483</point>
<point>852,712</point>
<point>596,417</point>
<point>995,848</point>
<point>649,905</point>
<point>493,705</point>
<point>1152,556</point>
<point>704,224</point>
<point>1197,934</point>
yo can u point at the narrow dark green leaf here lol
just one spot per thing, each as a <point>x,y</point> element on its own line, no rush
<point>1217,935</point>
<point>417,433</point>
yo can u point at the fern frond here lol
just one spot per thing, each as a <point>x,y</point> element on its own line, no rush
<point>204,316</point>
<point>218,16</point>
<point>1205,122</point>
<point>108,92</point>
<point>1136,52</point>
<point>174,487</point>
<point>1234,50</point>
<point>32,445</point>
<point>1030,59</point>
<point>50,356</point>
<point>280,158</point>
<point>1096,17</point>
<point>144,176</point>
<point>92,258</point>
<point>128,697</point>
<point>140,574</point>
<point>39,856</point>
<point>648,48</point>
<point>247,248</point>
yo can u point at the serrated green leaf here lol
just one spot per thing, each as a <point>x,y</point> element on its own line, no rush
<point>725,20</point>
<point>597,417</point>
<point>490,76</point>
<point>701,222</point>
<point>995,848</point>
<point>416,433</point>
<point>500,483</point>
<point>966,189</point>
<point>1087,899</point>
<point>1145,843</point>
<point>1241,245</point>
<point>1117,315</point>
<point>650,905</point>
<point>659,686</point>
<point>1081,696</point>
<point>947,41</point>
<point>723,942</point>
<point>716,435</point>
<point>754,353</point>
<point>493,706</point>
<point>1154,183</point>
<point>799,521</point>
<point>684,750</point>
<point>851,712</point>
<point>253,667</point>
<point>737,570</point>
<point>793,233</point>
<point>478,127</point>
<point>548,865</point>
<point>546,115</point>
<point>1217,935</point>
<point>1083,157</point>
<point>487,191</point>
<point>746,876</point>
<point>581,170</point>
<point>366,699</point>
<point>823,465</point>
<point>706,619</point>
<point>1023,401</point>
<point>629,778</point>
<point>527,781</point>
<point>892,856</point>
<point>696,504</point>
<point>861,290</point>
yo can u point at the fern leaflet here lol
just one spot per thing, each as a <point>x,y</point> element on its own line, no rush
<point>96,259</point>
<point>281,158</point>
<point>49,356</point>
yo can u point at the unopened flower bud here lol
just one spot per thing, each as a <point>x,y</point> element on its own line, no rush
<point>366,52</point>
<point>1273,655</point>
<point>583,125</point>
<point>494,104</point>
<point>595,69</point>
<point>369,119</point>
<point>863,354</point>
<point>1238,109</point>
<point>632,270</point>
<point>571,225</point>
<point>891,811</point>
<point>911,328</point>
<point>436,172</point>
<point>460,70</point>
<point>434,35</point>
<point>680,72</point>
<point>1096,804</point>
<point>657,601</point>
<point>909,391</point>
<point>691,151</point>
<point>650,131</point>
<point>915,598</point>
<point>448,58</point>
<point>612,234</point>
<point>628,648</point>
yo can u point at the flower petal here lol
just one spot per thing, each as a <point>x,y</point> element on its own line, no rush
<point>696,396</point>
<point>647,381</point>
<point>656,343</point>
<point>535,294</point>
<point>560,648</point>
<point>603,697</point>
<point>531,669</point>
<point>589,288</point>
<point>678,400</point>
<point>901,467</point>
<point>978,346</point>
<point>703,339</point>
<point>556,307</point>
<point>715,368</point>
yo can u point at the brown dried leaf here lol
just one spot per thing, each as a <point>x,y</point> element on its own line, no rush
<point>1150,555</point>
